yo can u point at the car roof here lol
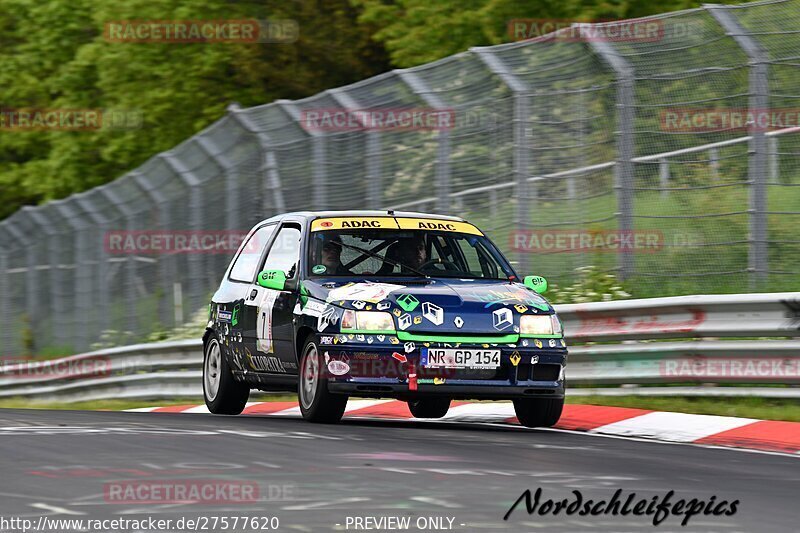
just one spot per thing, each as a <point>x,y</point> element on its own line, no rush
<point>361,213</point>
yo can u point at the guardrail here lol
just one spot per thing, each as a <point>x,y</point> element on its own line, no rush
<point>641,342</point>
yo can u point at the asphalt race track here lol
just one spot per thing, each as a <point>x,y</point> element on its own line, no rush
<point>312,477</point>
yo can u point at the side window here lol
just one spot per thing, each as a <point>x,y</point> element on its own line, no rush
<point>472,256</point>
<point>285,251</point>
<point>244,267</point>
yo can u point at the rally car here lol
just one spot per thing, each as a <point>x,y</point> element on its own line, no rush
<point>418,307</point>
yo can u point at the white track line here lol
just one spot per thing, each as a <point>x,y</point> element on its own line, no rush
<point>675,427</point>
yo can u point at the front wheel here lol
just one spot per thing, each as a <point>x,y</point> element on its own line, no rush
<point>429,407</point>
<point>223,394</point>
<point>538,412</point>
<point>317,404</point>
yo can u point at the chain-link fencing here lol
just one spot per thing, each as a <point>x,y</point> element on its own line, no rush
<point>637,147</point>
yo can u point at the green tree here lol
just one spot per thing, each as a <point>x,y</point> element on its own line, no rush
<point>54,55</point>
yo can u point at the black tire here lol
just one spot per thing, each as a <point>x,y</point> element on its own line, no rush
<point>231,395</point>
<point>538,412</point>
<point>429,407</point>
<point>317,404</point>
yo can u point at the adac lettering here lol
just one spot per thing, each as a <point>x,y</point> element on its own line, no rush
<point>361,224</point>
<point>437,225</point>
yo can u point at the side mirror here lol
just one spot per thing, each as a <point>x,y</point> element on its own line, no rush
<point>272,279</point>
<point>537,283</point>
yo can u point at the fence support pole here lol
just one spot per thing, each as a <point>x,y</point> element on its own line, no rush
<point>269,165</point>
<point>774,159</point>
<point>29,273</point>
<point>195,260</point>
<point>372,150</point>
<point>521,153</point>
<point>757,168</point>
<point>625,145</point>
<point>131,312</point>
<point>48,314</point>
<point>5,305</point>
<point>166,267</point>
<point>319,186</point>
<point>421,89</point>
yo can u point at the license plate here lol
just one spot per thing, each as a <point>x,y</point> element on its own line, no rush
<point>459,358</point>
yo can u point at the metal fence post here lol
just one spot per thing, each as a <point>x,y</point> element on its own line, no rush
<point>713,159</point>
<point>70,210</point>
<point>430,98</point>
<point>757,168</point>
<point>663,176</point>
<point>132,315</point>
<point>101,278</point>
<point>29,272</point>
<point>51,312</point>
<point>166,265</point>
<point>372,140</point>
<point>5,303</point>
<point>210,148</point>
<point>774,159</point>
<point>194,286</point>
<point>625,171</point>
<point>269,162</point>
<point>521,153</point>
<point>319,194</point>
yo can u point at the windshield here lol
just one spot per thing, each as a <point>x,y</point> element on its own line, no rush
<point>393,253</point>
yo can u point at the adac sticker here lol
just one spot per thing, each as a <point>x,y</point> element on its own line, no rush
<point>323,224</point>
<point>432,224</point>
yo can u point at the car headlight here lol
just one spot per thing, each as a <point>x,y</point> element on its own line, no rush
<point>367,321</point>
<point>534,325</point>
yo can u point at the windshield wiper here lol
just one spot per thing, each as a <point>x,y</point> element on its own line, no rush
<point>378,256</point>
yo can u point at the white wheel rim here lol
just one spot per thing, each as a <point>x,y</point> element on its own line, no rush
<point>309,377</point>
<point>211,370</point>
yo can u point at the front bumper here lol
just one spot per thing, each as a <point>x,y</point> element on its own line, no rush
<point>390,371</point>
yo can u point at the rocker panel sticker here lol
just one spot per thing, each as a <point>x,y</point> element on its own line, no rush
<point>264,322</point>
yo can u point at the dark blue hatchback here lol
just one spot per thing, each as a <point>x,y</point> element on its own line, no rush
<point>419,307</point>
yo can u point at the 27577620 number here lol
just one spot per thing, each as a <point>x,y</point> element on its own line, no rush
<point>234,523</point>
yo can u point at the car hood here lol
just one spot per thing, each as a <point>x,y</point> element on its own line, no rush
<point>451,305</point>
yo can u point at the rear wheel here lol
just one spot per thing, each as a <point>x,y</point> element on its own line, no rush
<point>223,394</point>
<point>429,407</point>
<point>316,403</point>
<point>538,412</point>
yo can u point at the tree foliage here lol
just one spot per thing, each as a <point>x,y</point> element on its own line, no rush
<point>55,56</point>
